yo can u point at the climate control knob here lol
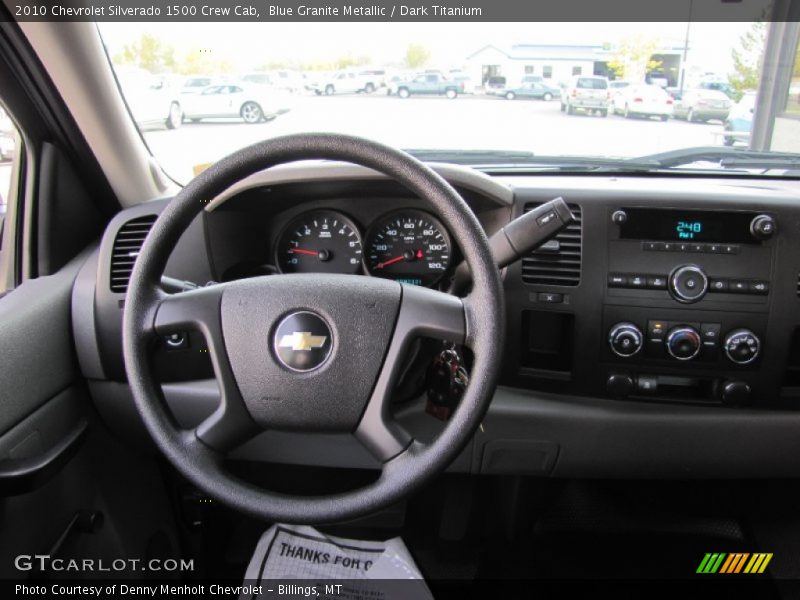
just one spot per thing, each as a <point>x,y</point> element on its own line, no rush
<point>688,283</point>
<point>625,339</point>
<point>741,346</point>
<point>683,342</point>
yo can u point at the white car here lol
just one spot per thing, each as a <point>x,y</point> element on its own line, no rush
<point>343,82</point>
<point>643,100</point>
<point>196,84</point>
<point>152,100</point>
<point>252,104</point>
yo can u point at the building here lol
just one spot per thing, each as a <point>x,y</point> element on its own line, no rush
<point>557,62</point>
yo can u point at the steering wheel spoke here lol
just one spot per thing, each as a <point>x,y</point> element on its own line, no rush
<point>423,313</point>
<point>199,310</point>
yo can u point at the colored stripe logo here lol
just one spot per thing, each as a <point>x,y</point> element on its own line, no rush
<point>736,562</point>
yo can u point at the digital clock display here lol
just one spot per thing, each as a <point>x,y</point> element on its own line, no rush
<point>672,225</point>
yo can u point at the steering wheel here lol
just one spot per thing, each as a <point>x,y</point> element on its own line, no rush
<point>311,352</point>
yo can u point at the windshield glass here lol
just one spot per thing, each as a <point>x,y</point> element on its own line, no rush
<point>608,91</point>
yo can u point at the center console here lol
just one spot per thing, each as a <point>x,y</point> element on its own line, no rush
<point>683,295</point>
<point>686,302</point>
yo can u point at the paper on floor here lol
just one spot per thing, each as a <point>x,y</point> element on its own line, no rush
<point>315,563</point>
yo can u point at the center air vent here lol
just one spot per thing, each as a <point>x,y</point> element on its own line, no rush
<point>127,244</point>
<point>558,262</point>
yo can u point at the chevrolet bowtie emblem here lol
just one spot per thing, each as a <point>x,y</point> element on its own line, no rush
<point>302,340</point>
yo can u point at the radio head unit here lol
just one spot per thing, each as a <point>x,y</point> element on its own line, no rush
<point>672,225</point>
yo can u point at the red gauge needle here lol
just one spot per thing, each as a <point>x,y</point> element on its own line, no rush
<point>391,261</point>
<point>302,251</point>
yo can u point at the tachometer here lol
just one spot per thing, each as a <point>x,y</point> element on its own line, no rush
<point>321,241</point>
<point>409,246</point>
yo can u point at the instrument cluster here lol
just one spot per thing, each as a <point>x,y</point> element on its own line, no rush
<point>409,246</point>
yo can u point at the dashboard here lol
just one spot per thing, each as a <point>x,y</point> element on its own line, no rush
<point>658,334</point>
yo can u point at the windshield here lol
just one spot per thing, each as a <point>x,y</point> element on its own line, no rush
<point>199,91</point>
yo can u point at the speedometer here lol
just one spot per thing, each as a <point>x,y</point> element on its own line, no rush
<point>321,241</point>
<point>409,246</point>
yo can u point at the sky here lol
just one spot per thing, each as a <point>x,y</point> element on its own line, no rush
<point>249,45</point>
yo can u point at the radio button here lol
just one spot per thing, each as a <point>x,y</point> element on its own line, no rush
<point>637,281</point>
<point>730,249</point>
<point>651,246</point>
<point>718,285</point>
<point>698,247</point>
<point>763,227</point>
<point>688,283</point>
<point>759,287</point>
<point>669,247</point>
<point>715,248</point>
<point>657,282</point>
<point>617,280</point>
<point>739,286</point>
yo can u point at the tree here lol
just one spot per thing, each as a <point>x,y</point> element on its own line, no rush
<point>417,56</point>
<point>149,53</point>
<point>202,62</point>
<point>633,58</point>
<point>747,59</point>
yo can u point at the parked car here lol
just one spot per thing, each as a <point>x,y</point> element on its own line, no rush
<point>429,84</point>
<point>195,85</point>
<point>739,121</point>
<point>615,88</point>
<point>253,104</point>
<point>494,83</point>
<point>643,100</point>
<point>152,100</point>
<point>536,90</point>
<point>344,82</point>
<point>532,79</point>
<point>720,86</point>
<point>372,79</point>
<point>465,82</point>
<point>586,92</point>
<point>702,105</point>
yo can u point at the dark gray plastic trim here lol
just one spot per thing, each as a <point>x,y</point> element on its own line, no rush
<point>310,171</point>
<point>84,327</point>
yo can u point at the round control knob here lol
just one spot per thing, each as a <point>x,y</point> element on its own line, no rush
<point>625,339</point>
<point>619,217</point>
<point>735,393</point>
<point>683,342</point>
<point>763,227</point>
<point>741,346</point>
<point>619,385</point>
<point>688,283</point>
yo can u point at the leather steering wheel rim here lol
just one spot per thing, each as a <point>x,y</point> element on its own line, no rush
<point>477,321</point>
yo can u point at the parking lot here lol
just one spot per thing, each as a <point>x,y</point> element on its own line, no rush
<point>468,122</point>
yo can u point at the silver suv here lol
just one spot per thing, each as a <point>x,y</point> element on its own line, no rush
<point>586,92</point>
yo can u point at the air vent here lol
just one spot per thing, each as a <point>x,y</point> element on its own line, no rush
<point>127,244</point>
<point>558,262</point>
